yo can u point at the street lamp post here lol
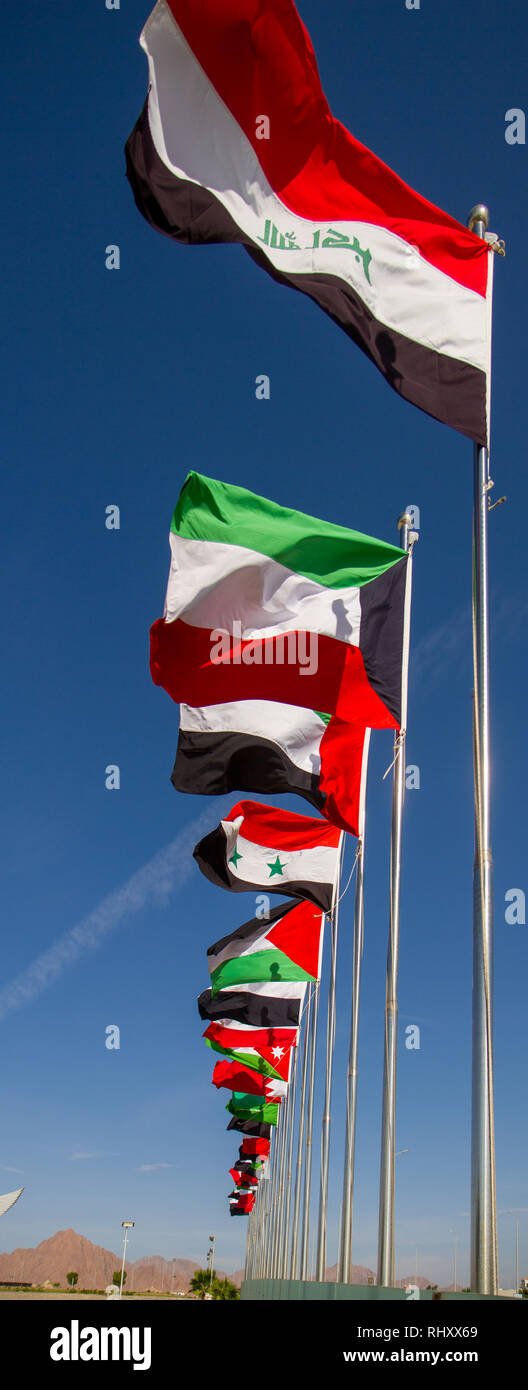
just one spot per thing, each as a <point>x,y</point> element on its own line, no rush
<point>210,1260</point>
<point>127,1225</point>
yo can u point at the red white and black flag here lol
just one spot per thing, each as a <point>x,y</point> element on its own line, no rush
<point>259,847</point>
<point>321,213</point>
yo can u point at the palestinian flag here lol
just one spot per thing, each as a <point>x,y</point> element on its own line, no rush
<point>250,1146</point>
<point>267,1050</point>
<point>265,747</point>
<point>239,1078</point>
<point>261,1004</point>
<point>286,945</point>
<point>314,207</point>
<point>268,603</point>
<point>259,848</point>
<point>251,1129</point>
<point>245,1106</point>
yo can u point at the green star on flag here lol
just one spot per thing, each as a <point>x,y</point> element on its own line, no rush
<point>261,847</point>
<point>276,867</point>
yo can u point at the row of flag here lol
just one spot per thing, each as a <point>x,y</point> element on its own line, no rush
<point>259,973</point>
<point>272,580</point>
<point>282,634</point>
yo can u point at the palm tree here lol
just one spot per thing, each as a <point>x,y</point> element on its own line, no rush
<point>72,1278</point>
<point>223,1288</point>
<point>202,1282</point>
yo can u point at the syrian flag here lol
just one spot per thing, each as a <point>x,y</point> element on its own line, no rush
<point>284,946</point>
<point>250,1146</point>
<point>245,1106</point>
<point>266,1050</point>
<point>265,747</point>
<point>260,1005</point>
<point>315,208</point>
<point>260,848</point>
<point>251,1129</point>
<point>266,603</point>
<point>243,1079</point>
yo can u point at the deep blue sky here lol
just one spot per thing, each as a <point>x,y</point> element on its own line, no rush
<point>115,383</point>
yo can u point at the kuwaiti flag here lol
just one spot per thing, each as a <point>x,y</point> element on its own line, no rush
<point>262,1004</point>
<point>267,1050</point>
<point>246,1106</point>
<point>265,747</point>
<point>264,602</point>
<point>236,1077</point>
<point>237,143</point>
<point>251,1129</point>
<point>260,848</point>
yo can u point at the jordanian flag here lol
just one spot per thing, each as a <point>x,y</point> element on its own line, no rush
<point>259,848</point>
<point>265,747</point>
<point>235,1077</point>
<point>263,1004</point>
<point>266,603</point>
<point>251,1129</point>
<point>267,1050</point>
<point>237,143</point>
<point>245,1106</point>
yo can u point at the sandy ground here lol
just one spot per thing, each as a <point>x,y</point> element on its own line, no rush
<point>93,1297</point>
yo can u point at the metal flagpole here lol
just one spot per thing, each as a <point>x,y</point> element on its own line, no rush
<point>268,1241</point>
<point>300,1138</point>
<point>277,1223</point>
<point>386,1205</point>
<point>290,1121</point>
<point>307,1194</point>
<point>345,1252</point>
<point>484,1274</point>
<point>320,1266</point>
<point>288,1106</point>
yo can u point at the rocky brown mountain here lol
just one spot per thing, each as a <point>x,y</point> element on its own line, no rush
<point>53,1259</point>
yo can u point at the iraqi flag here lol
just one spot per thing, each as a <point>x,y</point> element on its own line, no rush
<point>259,848</point>
<point>312,206</point>
<point>251,1129</point>
<point>245,1106</point>
<point>265,747</point>
<point>235,1077</point>
<point>260,1005</point>
<point>267,603</point>
<point>267,1050</point>
<point>286,945</point>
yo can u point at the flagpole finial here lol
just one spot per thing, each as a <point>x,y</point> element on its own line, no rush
<point>480,213</point>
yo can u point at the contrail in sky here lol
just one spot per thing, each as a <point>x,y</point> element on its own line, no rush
<point>154,881</point>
